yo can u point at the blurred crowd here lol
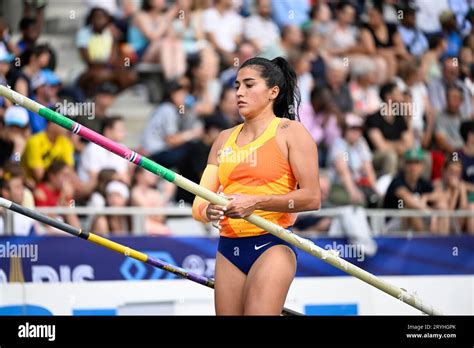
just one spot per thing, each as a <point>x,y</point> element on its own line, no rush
<point>387,92</point>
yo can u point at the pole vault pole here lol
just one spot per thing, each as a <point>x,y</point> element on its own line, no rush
<point>328,256</point>
<point>121,249</point>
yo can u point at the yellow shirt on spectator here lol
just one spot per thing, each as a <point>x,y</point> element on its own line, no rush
<point>40,152</point>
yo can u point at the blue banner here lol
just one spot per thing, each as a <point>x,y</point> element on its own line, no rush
<point>64,259</point>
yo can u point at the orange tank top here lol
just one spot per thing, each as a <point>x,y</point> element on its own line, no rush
<point>258,168</point>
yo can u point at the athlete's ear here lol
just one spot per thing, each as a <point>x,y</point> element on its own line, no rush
<point>273,93</point>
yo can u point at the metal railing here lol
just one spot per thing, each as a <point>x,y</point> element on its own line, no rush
<point>377,217</point>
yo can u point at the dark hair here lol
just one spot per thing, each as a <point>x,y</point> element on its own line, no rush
<point>55,167</point>
<point>435,40</point>
<point>109,122</point>
<point>26,22</point>
<point>387,89</point>
<point>224,92</point>
<point>454,87</point>
<point>466,128</point>
<point>450,160</point>
<point>278,72</point>
<point>146,5</point>
<point>93,11</point>
<point>342,4</point>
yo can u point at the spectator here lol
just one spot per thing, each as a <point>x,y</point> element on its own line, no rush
<point>12,187</point>
<point>5,38</point>
<point>302,64</point>
<point>363,89</point>
<point>117,195</point>
<point>45,147</point>
<point>14,136</point>
<point>99,50</point>
<point>30,32</point>
<point>382,40</point>
<point>104,97</point>
<point>466,156</point>
<point>437,89</point>
<point>422,117</point>
<point>447,135</point>
<point>205,89</point>
<point>312,47</point>
<point>299,10</point>
<point>451,33</point>
<point>387,131</point>
<point>320,20</point>
<point>413,38</point>
<point>431,60</point>
<point>342,38</point>
<point>95,158</point>
<point>409,190</point>
<point>224,28</point>
<point>336,76</point>
<point>260,30</point>
<point>291,39</point>
<point>146,195</point>
<point>352,173</point>
<point>44,93</point>
<point>97,199</point>
<point>56,190</point>
<point>320,118</point>
<point>227,113</point>
<point>153,39</point>
<point>455,193</point>
<point>169,132</point>
<point>245,51</point>
<point>38,59</point>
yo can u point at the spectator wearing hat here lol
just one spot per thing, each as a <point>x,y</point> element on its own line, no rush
<point>14,136</point>
<point>45,147</point>
<point>45,93</point>
<point>351,171</point>
<point>409,190</point>
<point>387,131</point>
<point>117,195</point>
<point>12,187</point>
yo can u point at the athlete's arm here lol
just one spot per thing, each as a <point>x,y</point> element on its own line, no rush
<point>303,158</point>
<point>202,210</point>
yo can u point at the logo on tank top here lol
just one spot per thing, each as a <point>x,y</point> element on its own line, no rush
<point>228,155</point>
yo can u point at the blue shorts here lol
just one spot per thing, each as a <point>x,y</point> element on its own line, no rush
<point>243,252</point>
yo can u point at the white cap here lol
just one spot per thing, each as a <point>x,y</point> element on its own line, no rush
<point>16,116</point>
<point>118,187</point>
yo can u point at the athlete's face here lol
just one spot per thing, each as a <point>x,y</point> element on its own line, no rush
<point>253,94</point>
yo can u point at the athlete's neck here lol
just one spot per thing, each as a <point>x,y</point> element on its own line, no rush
<point>257,125</point>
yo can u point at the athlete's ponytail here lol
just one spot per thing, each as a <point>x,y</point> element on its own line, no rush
<point>278,72</point>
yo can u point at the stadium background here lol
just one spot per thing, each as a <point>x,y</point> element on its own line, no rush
<point>107,78</point>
